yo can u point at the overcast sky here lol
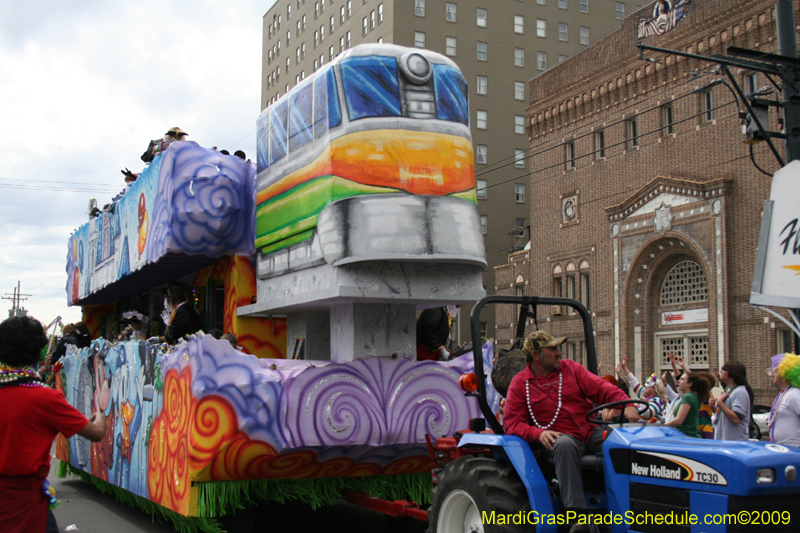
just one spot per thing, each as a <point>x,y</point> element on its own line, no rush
<point>84,86</point>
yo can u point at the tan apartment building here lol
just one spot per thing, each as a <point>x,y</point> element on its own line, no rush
<point>645,203</point>
<point>499,46</point>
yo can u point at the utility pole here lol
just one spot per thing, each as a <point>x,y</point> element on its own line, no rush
<point>16,298</point>
<point>787,46</point>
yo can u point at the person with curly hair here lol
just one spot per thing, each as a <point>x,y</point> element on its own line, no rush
<point>784,416</point>
<point>31,417</point>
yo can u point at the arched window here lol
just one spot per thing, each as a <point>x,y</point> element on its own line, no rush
<point>685,283</point>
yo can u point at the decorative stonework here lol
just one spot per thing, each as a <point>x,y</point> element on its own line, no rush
<point>663,218</point>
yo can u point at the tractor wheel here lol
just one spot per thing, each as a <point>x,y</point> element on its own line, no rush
<point>471,487</point>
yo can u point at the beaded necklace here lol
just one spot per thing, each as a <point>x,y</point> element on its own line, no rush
<point>530,409</point>
<point>25,376</point>
<point>773,412</point>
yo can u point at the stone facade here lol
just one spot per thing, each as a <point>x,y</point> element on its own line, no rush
<point>644,201</point>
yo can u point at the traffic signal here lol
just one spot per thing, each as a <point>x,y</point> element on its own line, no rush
<point>750,127</point>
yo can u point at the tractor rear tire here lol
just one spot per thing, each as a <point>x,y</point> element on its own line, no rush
<point>471,488</point>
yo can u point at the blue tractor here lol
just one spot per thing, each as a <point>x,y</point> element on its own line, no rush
<point>648,477</point>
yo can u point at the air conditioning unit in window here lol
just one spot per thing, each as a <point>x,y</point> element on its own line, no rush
<point>555,309</point>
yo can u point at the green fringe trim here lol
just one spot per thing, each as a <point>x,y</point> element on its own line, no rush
<point>219,498</point>
<point>183,524</point>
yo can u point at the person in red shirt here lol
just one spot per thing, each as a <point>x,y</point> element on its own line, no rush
<point>547,404</point>
<point>31,417</point>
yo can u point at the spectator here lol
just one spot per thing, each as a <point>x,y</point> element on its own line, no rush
<point>31,417</point>
<point>686,414</point>
<point>784,416</point>
<point>733,406</point>
<point>184,319</point>
<point>652,392</point>
<point>137,326</point>
<point>706,414</point>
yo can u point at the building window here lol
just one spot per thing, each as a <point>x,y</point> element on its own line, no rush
<point>481,18</point>
<point>288,63</point>
<point>341,44</point>
<point>450,46</point>
<point>541,2</point>
<point>289,12</point>
<point>322,6</point>
<point>419,39</point>
<point>519,24</point>
<point>419,8</point>
<point>316,65</point>
<point>562,4</point>
<point>372,19</point>
<point>561,58</point>
<point>557,284</point>
<point>685,283</point>
<point>519,223</point>
<point>348,39</point>
<point>541,28</point>
<point>562,32</point>
<point>316,38</point>
<point>599,144</point>
<point>541,60</point>
<point>304,23</point>
<point>303,51</point>
<point>316,10</point>
<point>707,103</point>
<point>620,10</point>
<point>349,8</point>
<point>482,85</point>
<point>569,154</point>
<point>519,57</point>
<point>482,119</point>
<point>519,158</point>
<point>484,224</point>
<point>333,26</point>
<point>299,24</point>
<point>519,124</point>
<point>481,154</point>
<point>631,133</point>
<point>570,284</point>
<point>322,33</point>
<point>667,120</point>
<point>450,12</point>
<point>585,286</point>
<point>750,83</point>
<point>519,193</point>
<point>783,340</point>
<point>364,26</point>
<point>482,51</point>
<point>482,188</point>
<point>380,13</point>
<point>330,53</point>
<point>341,15</point>
<point>584,35</point>
<point>584,6</point>
<point>519,90</point>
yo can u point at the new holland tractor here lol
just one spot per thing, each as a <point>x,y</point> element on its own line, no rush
<point>648,477</point>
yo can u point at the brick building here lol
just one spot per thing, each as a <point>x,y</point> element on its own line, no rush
<point>644,202</point>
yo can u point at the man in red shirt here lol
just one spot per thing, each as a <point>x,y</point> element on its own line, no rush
<point>547,404</point>
<point>31,417</point>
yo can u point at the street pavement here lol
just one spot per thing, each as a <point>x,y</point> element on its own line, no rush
<point>87,510</point>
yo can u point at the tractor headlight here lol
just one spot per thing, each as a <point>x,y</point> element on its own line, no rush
<point>790,473</point>
<point>765,476</point>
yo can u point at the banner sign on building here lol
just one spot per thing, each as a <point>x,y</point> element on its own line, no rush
<point>691,316</point>
<point>776,278</point>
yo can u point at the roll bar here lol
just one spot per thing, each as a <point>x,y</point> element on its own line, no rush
<point>525,303</point>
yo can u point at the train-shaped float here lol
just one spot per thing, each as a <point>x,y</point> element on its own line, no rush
<point>361,211</point>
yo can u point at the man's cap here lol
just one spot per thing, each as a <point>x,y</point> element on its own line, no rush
<point>176,131</point>
<point>543,339</point>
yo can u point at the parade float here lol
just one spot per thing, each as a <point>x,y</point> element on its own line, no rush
<point>360,212</point>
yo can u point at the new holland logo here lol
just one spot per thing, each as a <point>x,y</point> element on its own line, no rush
<point>664,466</point>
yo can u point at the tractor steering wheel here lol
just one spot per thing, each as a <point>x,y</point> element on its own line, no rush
<point>609,405</point>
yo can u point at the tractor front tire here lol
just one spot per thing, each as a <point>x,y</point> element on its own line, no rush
<point>473,488</point>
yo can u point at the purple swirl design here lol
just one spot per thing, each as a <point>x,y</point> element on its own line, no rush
<point>239,378</point>
<point>205,203</point>
<point>377,402</point>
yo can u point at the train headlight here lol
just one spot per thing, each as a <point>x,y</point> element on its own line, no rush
<point>416,68</point>
<point>765,476</point>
